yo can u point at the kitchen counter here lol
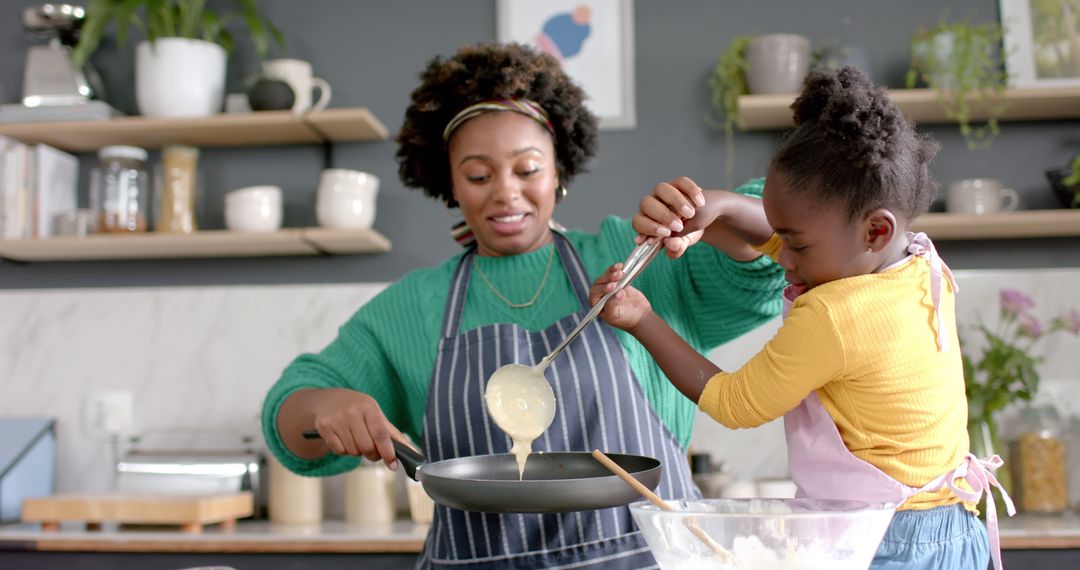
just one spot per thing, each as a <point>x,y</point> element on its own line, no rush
<point>249,536</point>
<point>1035,532</point>
<point>1023,532</point>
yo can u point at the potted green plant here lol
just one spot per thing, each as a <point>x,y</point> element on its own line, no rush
<point>180,66</point>
<point>727,82</point>
<point>1066,183</point>
<point>961,62</point>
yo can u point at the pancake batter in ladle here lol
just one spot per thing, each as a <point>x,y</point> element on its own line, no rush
<point>519,398</point>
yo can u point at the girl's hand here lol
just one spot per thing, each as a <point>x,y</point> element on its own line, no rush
<point>625,309</point>
<point>665,213</point>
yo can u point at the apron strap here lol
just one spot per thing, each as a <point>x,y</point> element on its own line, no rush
<point>979,474</point>
<point>919,244</point>
<point>459,289</point>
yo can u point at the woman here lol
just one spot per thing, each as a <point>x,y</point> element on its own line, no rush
<point>498,131</point>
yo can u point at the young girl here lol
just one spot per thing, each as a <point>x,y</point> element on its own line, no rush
<point>866,369</point>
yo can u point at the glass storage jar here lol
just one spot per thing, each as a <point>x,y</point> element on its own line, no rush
<point>1038,457</point>
<point>119,190</point>
<point>176,190</point>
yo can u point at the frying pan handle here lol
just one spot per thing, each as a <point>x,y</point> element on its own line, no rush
<point>409,457</point>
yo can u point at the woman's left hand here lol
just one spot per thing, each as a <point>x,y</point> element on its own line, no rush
<point>625,309</point>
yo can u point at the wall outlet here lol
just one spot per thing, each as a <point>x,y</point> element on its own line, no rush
<point>108,412</point>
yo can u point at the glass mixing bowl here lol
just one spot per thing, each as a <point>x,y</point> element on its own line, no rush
<point>765,534</point>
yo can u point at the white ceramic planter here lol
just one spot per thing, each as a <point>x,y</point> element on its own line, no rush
<point>179,77</point>
<point>777,63</point>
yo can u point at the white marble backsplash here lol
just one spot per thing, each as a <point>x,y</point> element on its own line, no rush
<point>203,358</point>
<point>198,358</point>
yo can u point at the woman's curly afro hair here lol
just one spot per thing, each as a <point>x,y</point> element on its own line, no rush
<point>851,145</point>
<point>481,73</point>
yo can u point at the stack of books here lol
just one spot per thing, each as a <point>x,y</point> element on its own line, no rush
<point>38,184</point>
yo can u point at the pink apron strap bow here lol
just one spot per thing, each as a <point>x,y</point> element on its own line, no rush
<point>920,245</point>
<point>979,474</point>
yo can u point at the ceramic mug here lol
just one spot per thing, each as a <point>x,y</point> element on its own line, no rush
<point>980,196</point>
<point>255,209</point>
<point>346,198</point>
<point>298,74</point>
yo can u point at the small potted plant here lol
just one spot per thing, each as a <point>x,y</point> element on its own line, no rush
<point>180,66</point>
<point>1066,183</point>
<point>727,82</point>
<point>961,62</point>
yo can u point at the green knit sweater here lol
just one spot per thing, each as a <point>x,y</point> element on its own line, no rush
<point>387,349</point>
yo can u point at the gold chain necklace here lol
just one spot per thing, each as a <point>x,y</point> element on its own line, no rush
<point>535,296</point>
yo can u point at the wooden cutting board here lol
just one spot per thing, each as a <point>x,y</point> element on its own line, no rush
<point>189,511</point>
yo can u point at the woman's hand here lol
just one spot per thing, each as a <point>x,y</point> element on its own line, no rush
<point>671,213</point>
<point>349,423</point>
<point>624,310</point>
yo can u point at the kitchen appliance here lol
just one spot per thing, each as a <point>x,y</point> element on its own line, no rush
<point>765,533</point>
<point>171,464</point>
<point>50,78</point>
<point>554,482</point>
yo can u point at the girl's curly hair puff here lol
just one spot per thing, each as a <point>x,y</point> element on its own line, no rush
<point>851,145</point>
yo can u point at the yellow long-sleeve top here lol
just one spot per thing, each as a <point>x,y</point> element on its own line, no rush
<point>868,346</point>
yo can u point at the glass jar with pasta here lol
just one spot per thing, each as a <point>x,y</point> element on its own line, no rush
<point>1039,462</point>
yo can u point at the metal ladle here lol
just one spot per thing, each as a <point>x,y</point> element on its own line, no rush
<point>543,398</point>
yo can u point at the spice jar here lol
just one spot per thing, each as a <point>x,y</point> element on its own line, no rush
<point>176,190</point>
<point>119,192</point>
<point>1038,458</point>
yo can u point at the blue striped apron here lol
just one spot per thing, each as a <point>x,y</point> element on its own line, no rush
<point>600,405</point>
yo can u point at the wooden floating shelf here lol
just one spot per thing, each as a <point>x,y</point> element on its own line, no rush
<point>760,112</point>
<point>204,244</point>
<point>1022,224</point>
<point>261,128</point>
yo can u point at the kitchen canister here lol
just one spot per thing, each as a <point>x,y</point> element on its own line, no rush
<point>119,190</point>
<point>421,506</point>
<point>292,498</point>
<point>370,496</point>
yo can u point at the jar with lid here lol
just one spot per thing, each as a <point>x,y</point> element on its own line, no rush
<point>119,190</point>
<point>1038,457</point>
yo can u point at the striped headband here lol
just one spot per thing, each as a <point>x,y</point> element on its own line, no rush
<point>522,106</point>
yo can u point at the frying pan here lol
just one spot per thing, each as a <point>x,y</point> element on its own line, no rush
<point>554,482</point>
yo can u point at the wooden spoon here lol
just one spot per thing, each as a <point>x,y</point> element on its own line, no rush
<point>653,498</point>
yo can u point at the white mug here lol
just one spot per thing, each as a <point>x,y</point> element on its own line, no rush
<point>980,196</point>
<point>255,209</point>
<point>298,74</point>
<point>346,198</point>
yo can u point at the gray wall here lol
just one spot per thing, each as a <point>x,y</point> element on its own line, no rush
<point>372,52</point>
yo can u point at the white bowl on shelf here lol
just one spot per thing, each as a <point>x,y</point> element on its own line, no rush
<point>254,209</point>
<point>346,199</point>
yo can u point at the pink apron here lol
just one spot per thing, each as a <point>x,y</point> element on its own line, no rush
<point>823,468</point>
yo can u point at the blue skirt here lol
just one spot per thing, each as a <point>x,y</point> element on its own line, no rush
<point>942,538</point>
